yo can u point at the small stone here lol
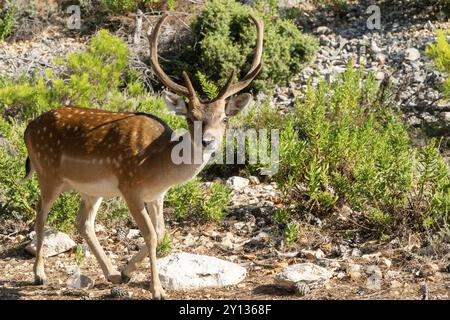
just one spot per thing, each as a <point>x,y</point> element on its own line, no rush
<point>323,30</point>
<point>374,282</point>
<point>354,271</point>
<point>303,273</point>
<point>133,234</point>
<point>395,284</point>
<point>237,183</point>
<point>371,270</point>
<point>412,54</point>
<point>386,262</point>
<point>118,292</point>
<point>254,180</point>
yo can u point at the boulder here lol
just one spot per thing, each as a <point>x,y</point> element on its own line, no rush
<point>307,273</point>
<point>192,271</point>
<point>55,242</point>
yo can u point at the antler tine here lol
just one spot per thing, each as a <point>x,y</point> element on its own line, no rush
<point>256,64</point>
<point>227,86</point>
<point>165,79</point>
<point>190,87</point>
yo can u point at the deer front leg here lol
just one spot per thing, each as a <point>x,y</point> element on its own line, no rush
<point>139,213</point>
<point>85,225</point>
<point>155,211</point>
<point>48,196</point>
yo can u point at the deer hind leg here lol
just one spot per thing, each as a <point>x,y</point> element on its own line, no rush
<point>139,213</point>
<point>85,225</point>
<point>155,211</point>
<point>48,196</point>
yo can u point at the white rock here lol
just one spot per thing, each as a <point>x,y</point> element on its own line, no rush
<point>55,242</point>
<point>386,262</point>
<point>412,54</point>
<point>133,234</point>
<point>191,271</point>
<point>302,272</point>
<point>237,183</point>
<point>77,280</point>
<point>254,180</point>
<point>374,282</point>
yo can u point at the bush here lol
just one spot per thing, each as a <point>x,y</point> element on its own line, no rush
<point>440,53</point>
<point>124,6</point>
<point>342,144</point>
<point>7,21</point>
<point>226,37</point>
<point>209,203</point>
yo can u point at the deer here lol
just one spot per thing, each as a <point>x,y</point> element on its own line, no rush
<point>103,154</point>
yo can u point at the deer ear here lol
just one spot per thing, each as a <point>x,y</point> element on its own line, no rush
<point>175,103</point>
<point>236,105</point>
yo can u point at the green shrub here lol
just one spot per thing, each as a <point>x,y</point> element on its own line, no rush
<point>7,21</point>
<point>124,6</point>
<point>291,233</point>
<point>440,53</point>
<point>165,246</point>
<point>210,203</point>
<point>226,37</point>
<point>342,144</point>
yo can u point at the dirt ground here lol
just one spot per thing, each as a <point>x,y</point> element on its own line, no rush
<point>404,279</point>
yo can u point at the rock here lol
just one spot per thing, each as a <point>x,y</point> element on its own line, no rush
<point>55,242</point>
<point>77,280</point>
<point>371,270</point>
<point>372,256</point>
<point>374,47</point>
<point>118,292</point>
<point>190,271</point>
<point>386,262</point>
<point>254,180</point>
<point>374,282</point>
<point>307,273</point>
<point>323,30</point>
<point>380,58</point>
<point>395,284</point>
<point>237,183</point>
<point>356,252</point>
<point>313,254</point>
<point>190,240</point>
<point>412,54</point>
<point>133,234</point>
<point>354,272</point>
<point>391,274</point>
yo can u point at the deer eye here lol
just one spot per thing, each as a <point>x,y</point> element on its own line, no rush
<point>225,120</point>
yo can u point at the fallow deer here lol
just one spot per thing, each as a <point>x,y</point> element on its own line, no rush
<point>103,154</point>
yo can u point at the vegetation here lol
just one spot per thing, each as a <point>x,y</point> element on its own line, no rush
<point>440,53</point>
<point>124,6</point>
<point>191,199</point>
<point>7,21</point>
<point>226,37</point>
<point>343,145</point>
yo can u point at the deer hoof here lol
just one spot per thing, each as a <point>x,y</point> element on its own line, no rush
<point>124,278</point>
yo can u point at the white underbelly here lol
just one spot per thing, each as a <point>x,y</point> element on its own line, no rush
<point>106,188</point>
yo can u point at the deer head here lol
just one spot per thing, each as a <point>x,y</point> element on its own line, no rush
<point>211,113</point>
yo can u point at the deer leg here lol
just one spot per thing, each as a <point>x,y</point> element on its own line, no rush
<point>43,208</point>
<point>155,211</point>
<point>85,225</point>
<point>140,216</point>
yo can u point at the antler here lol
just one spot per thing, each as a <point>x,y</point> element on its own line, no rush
<point>153,40</point>
<point>229,89</point>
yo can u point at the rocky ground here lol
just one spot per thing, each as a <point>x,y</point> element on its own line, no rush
<point>396,52</point>
<point>249,236</point>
